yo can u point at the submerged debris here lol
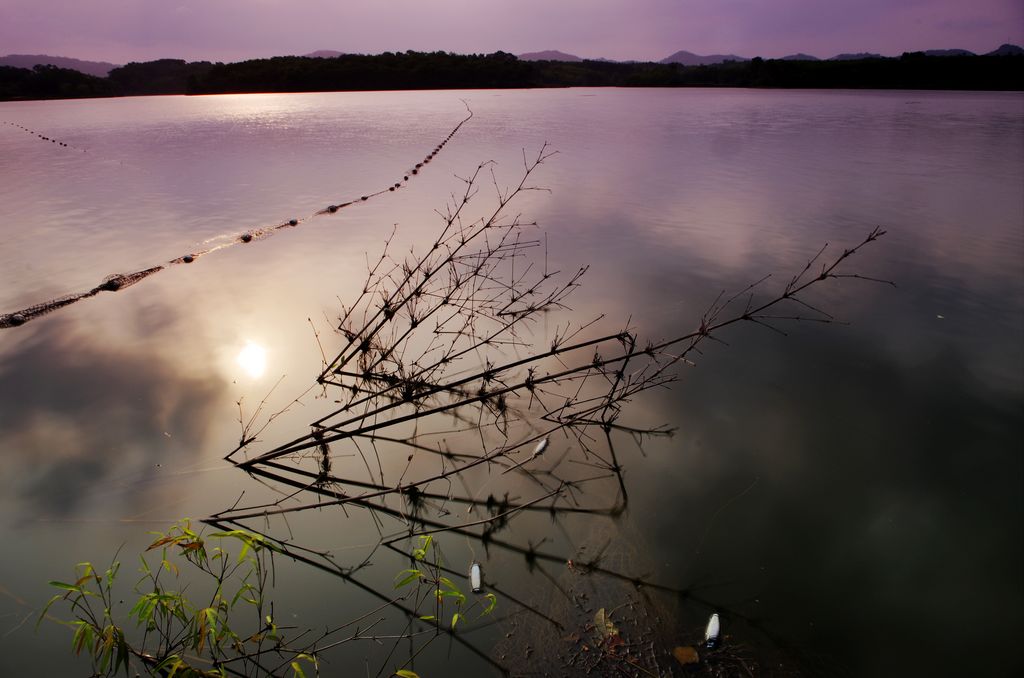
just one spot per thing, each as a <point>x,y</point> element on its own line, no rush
<point>475,578</point>
<point>712,632</point>
<point>686,655</point>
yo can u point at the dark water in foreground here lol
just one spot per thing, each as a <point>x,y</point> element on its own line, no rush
<point>850,496</point>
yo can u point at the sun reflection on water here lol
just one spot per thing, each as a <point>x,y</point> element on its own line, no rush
<point>253,360</point>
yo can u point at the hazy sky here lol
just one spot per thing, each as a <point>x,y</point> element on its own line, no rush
<point>230,30</point>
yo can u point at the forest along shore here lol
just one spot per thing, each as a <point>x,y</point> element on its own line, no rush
<point>501,70</point>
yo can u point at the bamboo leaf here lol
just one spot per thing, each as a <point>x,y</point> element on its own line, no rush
<point>420,553</point>
<point>162,542</point>
<point>78,639</point>
<point>56,597</point>
<point>65,586</point>
<point>604,625</point>
<point>111,574</point>
<point>411,575</point>
<point>241,554</point>
<point>122,653</point>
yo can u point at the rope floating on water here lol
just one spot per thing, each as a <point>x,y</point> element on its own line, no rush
<point>119,281</point>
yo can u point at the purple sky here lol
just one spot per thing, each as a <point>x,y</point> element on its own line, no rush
<point>231,30</point>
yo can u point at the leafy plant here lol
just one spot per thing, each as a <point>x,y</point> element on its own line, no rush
<point>433,588</point>
<point>427,572</point>
<point>177,635</point>
<point>230,628</point>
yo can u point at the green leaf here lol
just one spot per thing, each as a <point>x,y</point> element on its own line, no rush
<point>56,597</point>
<point>111,574</point>
<point>402,673</point>
<point>78,639</point>
<point>309,658</point>
<point>457,595</point>
<point>108,649</point>
<point>492,601</point>
<point>420,553</point>
<point>66,587</point>
<point>169,666</point>
<point>122,653</point>
<point>411,575</point>
<point>456,618</point>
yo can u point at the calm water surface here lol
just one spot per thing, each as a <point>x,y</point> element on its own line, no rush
<point>851,496</point>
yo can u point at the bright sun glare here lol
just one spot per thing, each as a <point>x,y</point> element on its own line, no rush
<point>253,359</point>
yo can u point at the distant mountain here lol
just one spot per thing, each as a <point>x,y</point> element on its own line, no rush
<point>800,56</point>
<point>948,52</point>
<point>549,55</point>
<point>690,59</point>
<point>97,68</point>
<point>324,54</point>
<point>1007,50</point>
<point>855,57</point>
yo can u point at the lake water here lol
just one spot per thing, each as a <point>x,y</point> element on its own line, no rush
<point>849,497</point>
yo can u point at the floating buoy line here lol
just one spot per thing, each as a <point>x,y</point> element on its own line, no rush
<point>119,281</point>
<point>43,137</point>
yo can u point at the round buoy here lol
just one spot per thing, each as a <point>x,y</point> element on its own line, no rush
<point>391,188</point>
<point>332,209</point>
<point>415,171</point>
<point>17,319</point>
<point>293,222</point>
<point>188,258</point>
<point>365,197</point>
<point>112,285</point>
<point>246,237</point>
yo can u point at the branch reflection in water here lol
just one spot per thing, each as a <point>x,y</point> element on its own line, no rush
<point>450,419</point>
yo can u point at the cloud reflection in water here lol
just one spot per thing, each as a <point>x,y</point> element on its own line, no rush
<point>76,413</point>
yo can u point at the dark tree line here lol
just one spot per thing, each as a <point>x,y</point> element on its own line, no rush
<point>441,70</point>
<point>50,82</point>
